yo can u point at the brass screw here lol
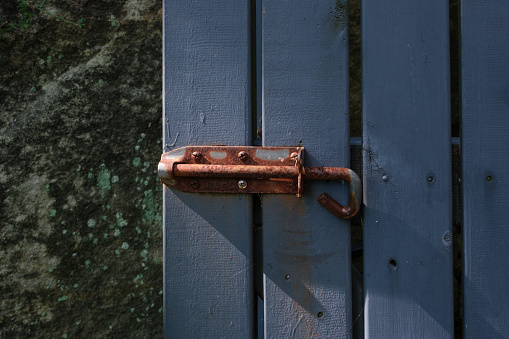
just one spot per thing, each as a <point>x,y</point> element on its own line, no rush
<point>294,156</point>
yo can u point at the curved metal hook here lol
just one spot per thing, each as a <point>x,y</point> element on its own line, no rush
<point>354,203</point>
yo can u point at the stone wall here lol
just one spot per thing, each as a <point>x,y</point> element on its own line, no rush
<point>80,136</point>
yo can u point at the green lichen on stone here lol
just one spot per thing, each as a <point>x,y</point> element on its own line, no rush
<point>120,221</point>
<point>151,210</point>
<point>138,278</point>
<point>91,223</point>
<point>143,254</point>
<point>103,178</point>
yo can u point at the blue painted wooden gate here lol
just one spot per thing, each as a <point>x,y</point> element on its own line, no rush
<point>275,73</point>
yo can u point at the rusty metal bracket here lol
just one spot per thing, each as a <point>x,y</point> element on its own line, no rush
<point>251,169</point>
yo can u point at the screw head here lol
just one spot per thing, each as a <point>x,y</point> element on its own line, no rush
<point>196,156</point>
<point>242,184</point>
<point>294,156</point>
<point>243,156</point>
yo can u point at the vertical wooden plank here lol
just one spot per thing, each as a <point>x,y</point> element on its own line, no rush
<point>307,282</point>
<point>407,169</point>
<point>208,238</point>
<point>485,157</point>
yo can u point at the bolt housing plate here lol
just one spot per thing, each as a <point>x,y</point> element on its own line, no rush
<point>228,157</point>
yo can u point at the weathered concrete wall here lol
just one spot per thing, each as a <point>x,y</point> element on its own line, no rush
<point>80,203</point>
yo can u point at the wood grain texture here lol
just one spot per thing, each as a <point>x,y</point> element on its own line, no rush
<point>306,255</point>
<point>407,169</point>
<point>208,283</point>
<point>485,155</point>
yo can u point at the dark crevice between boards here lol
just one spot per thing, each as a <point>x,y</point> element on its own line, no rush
<point>256,72</point>
<point>355,75</point>
<point>454,66</point>
<point>355,105</point>
<point>355,102</point>
<point>256,132</point>
<point>454,27</point>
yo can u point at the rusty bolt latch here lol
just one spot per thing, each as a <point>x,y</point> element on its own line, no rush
<point>250,169</point>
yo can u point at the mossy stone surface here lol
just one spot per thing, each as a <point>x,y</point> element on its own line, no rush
<point>80,201</point>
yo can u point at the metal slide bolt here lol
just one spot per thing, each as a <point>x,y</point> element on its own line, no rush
<point>224,169</point>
